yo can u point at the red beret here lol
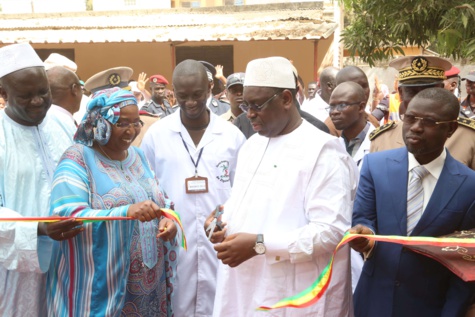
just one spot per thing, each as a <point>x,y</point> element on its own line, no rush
<point>452,72</point>
<point>158,79</point>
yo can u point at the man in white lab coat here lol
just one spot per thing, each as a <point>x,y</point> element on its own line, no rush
<point>194,153</point>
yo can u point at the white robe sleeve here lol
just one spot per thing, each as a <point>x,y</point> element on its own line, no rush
<point>21,249</point>
<point>328,207</point>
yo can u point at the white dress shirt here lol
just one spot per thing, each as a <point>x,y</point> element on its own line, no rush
<point>435,168</point>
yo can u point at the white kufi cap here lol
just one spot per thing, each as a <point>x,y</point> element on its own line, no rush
<point>55,59</point>
<point>274,71</point>
<point>18,56</point>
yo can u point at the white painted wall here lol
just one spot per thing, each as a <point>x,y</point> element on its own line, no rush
<point>42,6</point>
<point>108,5</point>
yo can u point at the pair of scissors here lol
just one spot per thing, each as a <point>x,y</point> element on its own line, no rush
<point>216,222</point>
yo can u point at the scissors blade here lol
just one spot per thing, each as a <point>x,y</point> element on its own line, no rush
<point>211,228</point>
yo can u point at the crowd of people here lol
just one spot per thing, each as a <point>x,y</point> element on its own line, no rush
<point>266,178</point>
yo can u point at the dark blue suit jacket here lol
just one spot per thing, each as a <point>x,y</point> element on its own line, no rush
<point>396,281</point>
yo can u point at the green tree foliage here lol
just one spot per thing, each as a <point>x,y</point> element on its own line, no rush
<point>378,29</point>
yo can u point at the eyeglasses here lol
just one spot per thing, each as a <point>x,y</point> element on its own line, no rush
<point>341,106</point>
<point>126,125</point>
<point>426,122</point>
<point>245,106</point>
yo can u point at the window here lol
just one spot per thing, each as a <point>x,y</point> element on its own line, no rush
<point>216,55</point>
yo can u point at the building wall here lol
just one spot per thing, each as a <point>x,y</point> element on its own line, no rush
<point>153,58</point>
<point>41,6</point>
<point>348,60</point>
<point>92,58</point>
<point>323,48</point>
<point>51,6</point>
<point>299,51</point>
<point>106,5</point>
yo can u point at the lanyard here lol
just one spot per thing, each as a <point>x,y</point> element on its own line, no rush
<point>199,155</point>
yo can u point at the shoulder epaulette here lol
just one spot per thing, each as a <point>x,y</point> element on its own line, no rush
<point>376,132</point>
<point>467,122</point>
<point>148,114</point>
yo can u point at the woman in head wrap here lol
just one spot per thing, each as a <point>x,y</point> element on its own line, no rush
<point>120,267</point>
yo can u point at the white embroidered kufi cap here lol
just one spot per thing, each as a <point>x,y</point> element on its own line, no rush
<point>16,57</point>
<point>55,59</point>
<point>274,71</point>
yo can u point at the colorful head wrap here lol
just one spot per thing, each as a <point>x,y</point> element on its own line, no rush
<point>102,111</point>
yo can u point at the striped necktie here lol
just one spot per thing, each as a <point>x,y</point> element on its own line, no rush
<point>415,197</point>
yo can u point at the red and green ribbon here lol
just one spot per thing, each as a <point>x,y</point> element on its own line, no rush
<point>167,213</point>
<point>312,294</point>
<point>173,215</point>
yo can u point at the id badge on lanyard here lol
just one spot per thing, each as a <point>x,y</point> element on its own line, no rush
<point>195,184</point>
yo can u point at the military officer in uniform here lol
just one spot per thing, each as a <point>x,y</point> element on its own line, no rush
<point>216,106</point>
<point>158,104</point>
<point>417,73</point>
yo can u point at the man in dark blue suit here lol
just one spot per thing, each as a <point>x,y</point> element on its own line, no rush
<point>396,281</point>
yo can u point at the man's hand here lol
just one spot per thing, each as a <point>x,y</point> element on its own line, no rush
<point>219,71</point>
<point>361,244</point>
<point>142,81</point>
<point>220,75</point>
<point>236,248</point>
<point>144,211</point>
<point>218,234</point>
<point>60,230</point>
<point>167,229</point>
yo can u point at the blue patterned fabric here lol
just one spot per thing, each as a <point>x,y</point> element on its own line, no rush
<point>102,111</point>
<point>101,271</point>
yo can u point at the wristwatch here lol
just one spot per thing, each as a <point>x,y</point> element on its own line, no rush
<point>260,248</point>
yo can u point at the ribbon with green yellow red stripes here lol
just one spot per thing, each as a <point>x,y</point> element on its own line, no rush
<point>312,294</point>
<point>167,213</point>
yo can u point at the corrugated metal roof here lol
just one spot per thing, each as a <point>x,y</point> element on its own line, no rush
<point>279,22</point>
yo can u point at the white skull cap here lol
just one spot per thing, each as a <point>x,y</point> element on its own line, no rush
<point>273,71</point>
<point>16,57</point>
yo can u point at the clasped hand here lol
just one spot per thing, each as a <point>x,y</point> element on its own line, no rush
<point>234,249</point>
<point>361,245</point>
<point>147,211</point>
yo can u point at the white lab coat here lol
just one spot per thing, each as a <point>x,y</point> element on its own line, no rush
<point>363,149</point>
<point>163,146</point>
